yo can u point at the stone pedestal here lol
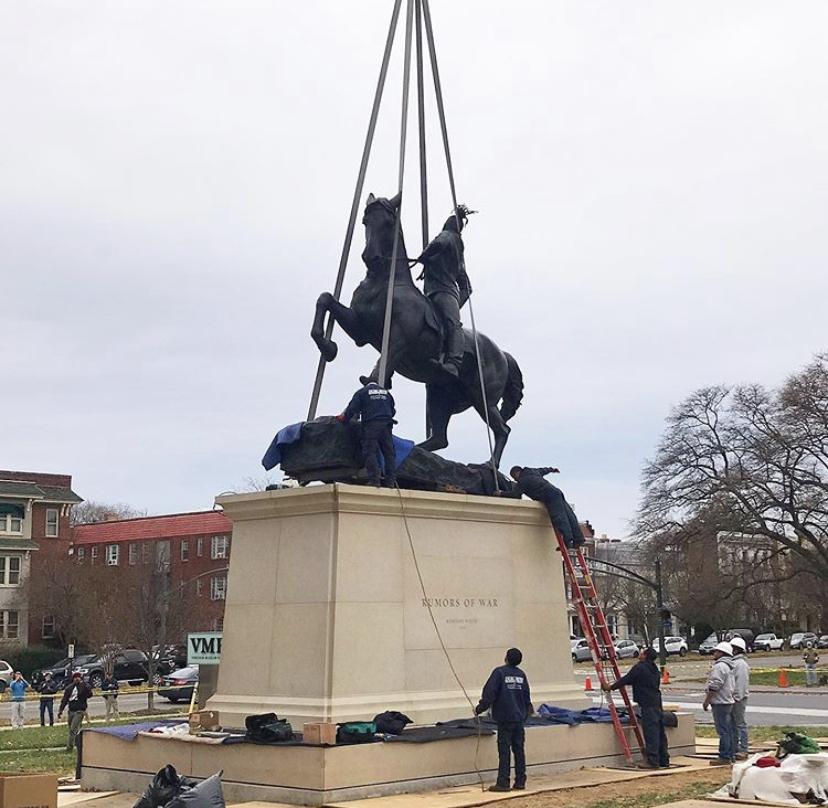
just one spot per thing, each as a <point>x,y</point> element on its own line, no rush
<point>326,618</point>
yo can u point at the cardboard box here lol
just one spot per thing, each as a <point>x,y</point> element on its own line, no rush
<point>324,734</point>
<point>28,790</point>
<point>205,721</point>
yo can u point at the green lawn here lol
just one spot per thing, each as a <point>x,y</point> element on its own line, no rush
<point>766,734</point>
<point>38,760</point>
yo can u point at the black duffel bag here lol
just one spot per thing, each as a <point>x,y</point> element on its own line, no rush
<point>391,722</point>
<point>165,786</point>
<point>267,728</point>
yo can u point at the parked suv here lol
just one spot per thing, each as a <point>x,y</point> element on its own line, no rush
<point>130,666</point>
<point>61,670</point>
<point>801,638</point>
<point>672,645</point>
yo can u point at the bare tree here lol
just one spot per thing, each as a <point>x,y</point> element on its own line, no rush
<point>89,512</point>
<point>738,489</point>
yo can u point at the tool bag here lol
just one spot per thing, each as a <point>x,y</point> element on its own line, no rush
<point>356,732</point>
<point>267,728</point>
<point>796,744</point>
<point>391,722</point>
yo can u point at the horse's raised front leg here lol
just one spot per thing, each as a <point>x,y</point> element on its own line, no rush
<point>346,318</point>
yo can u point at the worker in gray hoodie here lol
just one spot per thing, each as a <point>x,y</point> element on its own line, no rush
<point>719,697</point>
<point>741,685</point>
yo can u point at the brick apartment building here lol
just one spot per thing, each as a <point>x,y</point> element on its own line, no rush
<point>193,547</point>
<point>35,512</point>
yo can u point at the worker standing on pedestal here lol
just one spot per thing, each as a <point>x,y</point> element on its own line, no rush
<point>507,694</point>
<point>375,407</point>
<point>645,680</point>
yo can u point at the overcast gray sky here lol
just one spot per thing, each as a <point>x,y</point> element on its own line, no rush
<point>175,179</point>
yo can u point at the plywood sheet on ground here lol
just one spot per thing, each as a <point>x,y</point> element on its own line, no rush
<point>468,796</point>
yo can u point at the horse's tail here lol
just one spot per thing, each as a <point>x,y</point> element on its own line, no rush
<point>513,393</point>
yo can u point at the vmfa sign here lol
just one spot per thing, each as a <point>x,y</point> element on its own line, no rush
<point>204,648</point>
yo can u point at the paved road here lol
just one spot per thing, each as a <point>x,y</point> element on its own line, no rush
<point>97,708</point>
<point>764,709</point>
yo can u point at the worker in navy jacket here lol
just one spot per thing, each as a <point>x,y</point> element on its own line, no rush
<point>375,407</point>
<point>530,481</point>
<point>645,679</point>
<point>507,694</point>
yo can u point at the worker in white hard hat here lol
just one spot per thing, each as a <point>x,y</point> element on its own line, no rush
<point>741,685</point>
<point>719,697</point>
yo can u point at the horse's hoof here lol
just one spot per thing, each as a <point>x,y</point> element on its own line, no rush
<point>328,349</point>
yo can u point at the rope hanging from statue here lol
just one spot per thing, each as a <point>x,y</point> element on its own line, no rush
<point>441,111</point>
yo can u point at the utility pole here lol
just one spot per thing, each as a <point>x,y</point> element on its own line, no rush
<point>662,650</point>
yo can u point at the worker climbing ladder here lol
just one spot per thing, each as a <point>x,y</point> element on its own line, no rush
<point>599,639</point>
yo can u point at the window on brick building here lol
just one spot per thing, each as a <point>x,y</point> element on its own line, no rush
<point>218,587</point>
<point>52,523</point>
<point>219,547</point>
<point>132,554</point>
<point>185,549</point>
<point>162,554</point>
<point>113,555</point>
<point>199,586</point>
<point>47,629</point>
<point>145,552</point>
<point>11,625</point>
<point>81,554</point>
<point>93,554</point>
<point>11,518</point>
<point>218,624</point>
<point>199,546</point>
<point>10,570</point>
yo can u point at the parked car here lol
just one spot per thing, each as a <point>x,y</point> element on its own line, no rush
<point>61,670</point>
<point>580,650</point>
<point>173,657</point>
<point>801,638</point>
<point>626,649</point>
<point>745,633</point>
<point>130,666</point>
<point>6,673</point>
<point>179,685</point>
<point>823,641</point>
<point>769,642</point>
<point>672,645</point>
<point>709,644</point>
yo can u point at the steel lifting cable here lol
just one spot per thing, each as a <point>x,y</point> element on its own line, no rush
<point>439,635</point>
<point>349,233</point>
<point>438,91</point>
<point>392,272</point>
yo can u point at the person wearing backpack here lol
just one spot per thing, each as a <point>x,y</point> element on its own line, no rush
<point>507,694</point>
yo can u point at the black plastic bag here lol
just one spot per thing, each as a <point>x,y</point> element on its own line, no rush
<point>391,722</point>
<point>165,786</point>
<point>267,728</point>
<point>207,794</point>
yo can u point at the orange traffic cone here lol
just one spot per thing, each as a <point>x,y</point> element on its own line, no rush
<point>665,677</point>
<point>783,678</point>
<point>588,685</point>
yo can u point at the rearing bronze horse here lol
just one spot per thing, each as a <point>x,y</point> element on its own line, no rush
<point>417,336</point>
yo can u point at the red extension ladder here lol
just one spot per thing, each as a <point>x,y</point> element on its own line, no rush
<point>599,639</point>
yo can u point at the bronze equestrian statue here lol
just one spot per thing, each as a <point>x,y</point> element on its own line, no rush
<point>415,347</point>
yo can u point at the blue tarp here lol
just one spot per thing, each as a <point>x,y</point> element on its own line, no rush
<point>592,715</point>
<point>291,434</point>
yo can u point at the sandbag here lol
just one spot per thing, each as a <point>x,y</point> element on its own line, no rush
<point>165,786</point>
<point>207,794</point>
<point>391,722</point>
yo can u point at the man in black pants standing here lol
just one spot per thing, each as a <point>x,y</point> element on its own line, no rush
<point>375,406</point>
<point>530,482</point>
<point>646,686</point>
<point>507,693</point>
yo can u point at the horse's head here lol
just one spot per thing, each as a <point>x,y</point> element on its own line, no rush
<point>379,218</point>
